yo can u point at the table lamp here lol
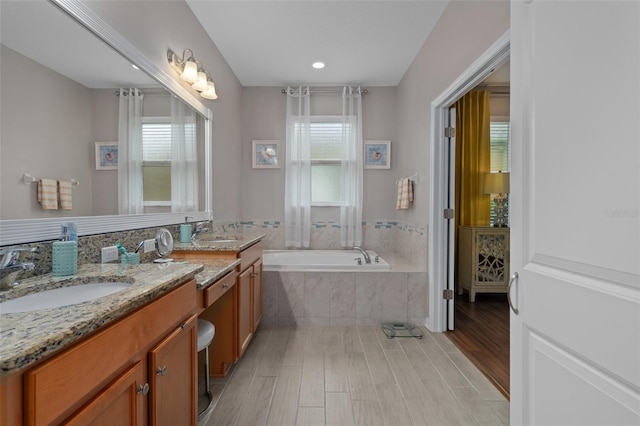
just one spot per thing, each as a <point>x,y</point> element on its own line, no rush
<point>498,184</point>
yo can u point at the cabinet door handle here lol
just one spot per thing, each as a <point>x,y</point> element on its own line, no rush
<point>513,278</point>
<point>143,389</point>
<point>225,286</point>
<point>161,371</point>
<point>253,274</point>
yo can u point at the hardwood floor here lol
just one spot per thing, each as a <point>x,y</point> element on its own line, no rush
<point>333,375</point>
<point>482,334</point>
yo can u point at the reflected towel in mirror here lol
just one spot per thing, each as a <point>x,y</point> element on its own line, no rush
<point>64,192</point>
<point>48,194</point>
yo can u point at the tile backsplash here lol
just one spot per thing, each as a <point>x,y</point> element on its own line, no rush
<point>382,236</point>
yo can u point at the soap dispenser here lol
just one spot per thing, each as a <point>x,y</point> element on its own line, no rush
<point>185,231</point>
<point>64,255</point>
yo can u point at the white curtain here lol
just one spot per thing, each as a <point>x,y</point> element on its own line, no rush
<point>297,194</point>
<point>184,162</point>
<point>351,187</point>
<point>130,199</point>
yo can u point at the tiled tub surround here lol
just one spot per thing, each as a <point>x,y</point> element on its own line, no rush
<point>27,337</point>
<point>407,240</point>
<point>346,298</point>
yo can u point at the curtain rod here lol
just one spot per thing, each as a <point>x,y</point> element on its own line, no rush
<point>326,91</point>
<point>150,91</point>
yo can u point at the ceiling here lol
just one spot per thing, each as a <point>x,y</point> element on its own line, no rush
<point>266,42</point>
<point>273,43</point>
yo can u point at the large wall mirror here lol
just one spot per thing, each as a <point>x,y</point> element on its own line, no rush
<point>62,71</point>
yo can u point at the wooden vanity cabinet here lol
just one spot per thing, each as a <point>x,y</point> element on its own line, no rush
<point>118,403</point>
<point>249,294</point>
<point>219,307</point>
<point>247,304</point>
<point>172,368</point>
<point>257,293</point>
<point>111,376</point>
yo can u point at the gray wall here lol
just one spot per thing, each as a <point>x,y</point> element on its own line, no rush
<point>465,31</point>
<point>264,116</point>
<point>36,104</point>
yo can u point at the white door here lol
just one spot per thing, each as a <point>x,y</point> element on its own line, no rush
<point>451,223</point>
<point>575,110</point>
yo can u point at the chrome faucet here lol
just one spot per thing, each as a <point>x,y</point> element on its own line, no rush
<point>367,258</point>
<point>199,229</point>
<point>10,265</point>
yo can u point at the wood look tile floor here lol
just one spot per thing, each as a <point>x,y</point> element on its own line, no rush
<point>334,375</point>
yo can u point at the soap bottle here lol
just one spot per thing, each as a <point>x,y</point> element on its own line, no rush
<point>64,255</point>
<point>185,231</point>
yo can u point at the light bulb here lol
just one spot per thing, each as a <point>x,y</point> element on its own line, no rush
<point>190,72</point>
<point>210,93</point>
<point>201,83</point>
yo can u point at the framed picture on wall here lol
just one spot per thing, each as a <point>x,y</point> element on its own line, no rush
<point>377,154</point>
<point>106,155</point>
<point>266,155</point>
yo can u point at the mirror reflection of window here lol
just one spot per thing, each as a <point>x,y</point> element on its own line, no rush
<point>156,161</point>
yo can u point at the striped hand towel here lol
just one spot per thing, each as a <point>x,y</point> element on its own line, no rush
<point>405,194</point>
<point>48,194</point>
<point>64,192</point>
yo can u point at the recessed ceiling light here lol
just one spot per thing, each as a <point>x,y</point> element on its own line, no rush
<point>318,65</point>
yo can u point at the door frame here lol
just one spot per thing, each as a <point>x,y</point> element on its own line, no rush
<point>491,59</point>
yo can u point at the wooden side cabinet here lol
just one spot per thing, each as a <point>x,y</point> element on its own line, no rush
<point>483,260</point>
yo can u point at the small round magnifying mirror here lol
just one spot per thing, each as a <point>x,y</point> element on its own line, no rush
<point>164,242</point>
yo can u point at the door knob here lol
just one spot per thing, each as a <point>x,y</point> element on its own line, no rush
<point>513,278</point>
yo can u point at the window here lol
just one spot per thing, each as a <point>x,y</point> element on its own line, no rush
<point>500,146</point>
<point>327,152</point>
<point>156,161</point>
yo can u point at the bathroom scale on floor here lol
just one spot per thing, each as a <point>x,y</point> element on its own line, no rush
<point>401,329</point>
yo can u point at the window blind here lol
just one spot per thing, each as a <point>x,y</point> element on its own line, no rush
<point>500,147</point>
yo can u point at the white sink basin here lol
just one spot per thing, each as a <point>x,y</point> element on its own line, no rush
<point>59,297</point>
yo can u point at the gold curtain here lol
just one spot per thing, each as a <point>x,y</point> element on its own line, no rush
<point>473,159</point>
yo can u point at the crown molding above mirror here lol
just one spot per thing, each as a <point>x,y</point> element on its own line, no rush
<point>32,230</point>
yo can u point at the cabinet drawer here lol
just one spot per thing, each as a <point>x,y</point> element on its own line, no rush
<point>250,255</point>
<point>86,367</point>
<point>217,289</point>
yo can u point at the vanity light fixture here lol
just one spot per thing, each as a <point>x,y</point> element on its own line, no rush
<point>192,71</point>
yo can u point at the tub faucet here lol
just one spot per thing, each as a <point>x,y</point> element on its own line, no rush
<point>367,258</point>
<point>199,229</point>
<point>10,265</point>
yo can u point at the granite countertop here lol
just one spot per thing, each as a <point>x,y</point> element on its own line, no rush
<point>214,269</point>
<point>215,242</point>
<point>28,336</point>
